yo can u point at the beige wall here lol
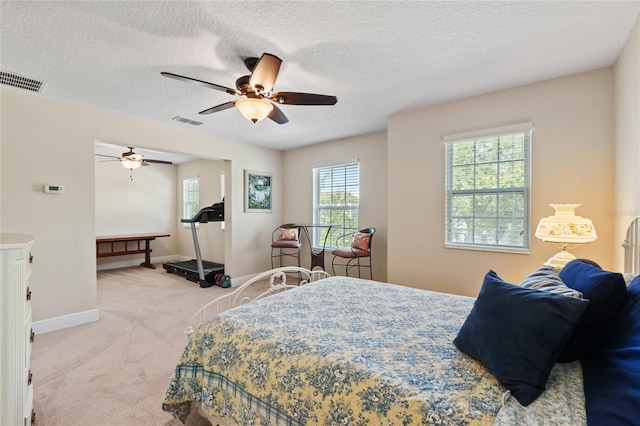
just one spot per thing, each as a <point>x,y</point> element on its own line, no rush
<point>47,141</point>
<point>371,151</point>
<point>402,173</point>
<point>627,137</point>
<point>572,161</point>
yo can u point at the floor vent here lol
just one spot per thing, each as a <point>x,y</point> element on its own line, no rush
<point>21,82</point>
<point>187,120</point>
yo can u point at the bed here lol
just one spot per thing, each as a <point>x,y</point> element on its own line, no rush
<point>349,351</point>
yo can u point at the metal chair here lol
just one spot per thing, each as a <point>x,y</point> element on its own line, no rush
<point>355,254</point>
<point>285,242</point>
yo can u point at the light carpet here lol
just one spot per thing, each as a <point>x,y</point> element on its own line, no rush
<point>115,371</point>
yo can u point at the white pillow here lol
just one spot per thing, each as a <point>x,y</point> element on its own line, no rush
<point>546,279</point>
<point>628,277</point>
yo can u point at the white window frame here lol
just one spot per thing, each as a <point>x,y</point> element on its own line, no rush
<point>222,193</point>
<point>452,237</point>
<point>348,174</point>
<point>187,200</point>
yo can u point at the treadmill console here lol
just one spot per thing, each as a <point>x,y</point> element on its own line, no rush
<point>215,213</point>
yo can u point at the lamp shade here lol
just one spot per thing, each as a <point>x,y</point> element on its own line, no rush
<point>565,227</point>
<point>132,161</point>
<point>254,109</point>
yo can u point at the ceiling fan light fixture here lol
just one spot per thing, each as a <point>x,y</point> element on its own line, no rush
<point>131,161</point>
<point>257,98</point>
<point>131,164</point>
<point>254,109</point>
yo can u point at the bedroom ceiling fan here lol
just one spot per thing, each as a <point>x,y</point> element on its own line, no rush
<point>258,101</point>
<point>131,160</point>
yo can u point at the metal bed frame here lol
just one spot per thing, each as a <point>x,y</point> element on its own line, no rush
<point>631,246</point>
<point>277,283</point>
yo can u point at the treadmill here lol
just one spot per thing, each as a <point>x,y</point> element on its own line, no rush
<point>198,270</point>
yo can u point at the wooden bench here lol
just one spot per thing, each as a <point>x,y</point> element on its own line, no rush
<point>133,244</point>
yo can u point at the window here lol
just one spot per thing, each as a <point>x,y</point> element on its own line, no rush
<point>190,197</point>
<point>222,192</point>
<point>487,190</point>
<point>336,199</point>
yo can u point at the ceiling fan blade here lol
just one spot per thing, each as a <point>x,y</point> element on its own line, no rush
<point>155,161</point>
<point>110,156</point>
<point>218,108</point>
<point>265,73</point>
<point>201,83</point>
<point>278,116</point>
<point>297,98</point>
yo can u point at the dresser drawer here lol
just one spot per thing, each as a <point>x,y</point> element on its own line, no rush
<point>16,404</point>
<point>28,338</point>
<point>28,407</point>
<point>28,264</point>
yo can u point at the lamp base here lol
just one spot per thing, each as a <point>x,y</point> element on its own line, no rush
<point>560,259</point>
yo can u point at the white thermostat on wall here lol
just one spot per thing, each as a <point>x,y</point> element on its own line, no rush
<point>54,189</point>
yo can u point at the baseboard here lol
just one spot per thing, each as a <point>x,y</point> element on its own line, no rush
<point>134,262</point>
<point>79,318</point>
<point>238,281</point>
<point>65,321</point>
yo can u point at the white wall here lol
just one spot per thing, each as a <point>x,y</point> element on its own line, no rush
<point>371,151</point>
<point>572,161</point>
<point>138,202</point>
<point>47,141</point>
<point>627,139</point>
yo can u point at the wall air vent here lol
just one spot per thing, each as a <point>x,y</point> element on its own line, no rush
<point>19,81</point>
<point>187,120</point>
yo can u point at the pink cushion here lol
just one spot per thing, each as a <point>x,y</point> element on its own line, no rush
<point>361,241</point>
<point>350,252</point>
<point>286,244</point>
<point>287,234</point>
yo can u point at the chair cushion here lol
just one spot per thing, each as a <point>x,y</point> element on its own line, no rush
<point>286,244</point>
<point>287,234</point>
<point>518,333</point>
<point>361,240</point>
<point>350,252</point>
<point>606,292</point>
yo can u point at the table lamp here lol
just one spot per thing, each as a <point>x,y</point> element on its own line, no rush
<point>566,228</point>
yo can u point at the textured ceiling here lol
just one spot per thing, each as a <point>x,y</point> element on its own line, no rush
<point>378,58</point>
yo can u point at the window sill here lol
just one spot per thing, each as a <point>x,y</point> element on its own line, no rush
<point>512,250</point>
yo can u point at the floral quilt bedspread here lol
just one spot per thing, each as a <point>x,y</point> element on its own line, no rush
<point>338,351</point>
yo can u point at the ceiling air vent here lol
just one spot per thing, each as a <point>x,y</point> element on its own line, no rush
<point>187,120</point>
<point>21,82</point>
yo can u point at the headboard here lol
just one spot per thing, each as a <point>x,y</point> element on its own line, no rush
<point>632,248</point>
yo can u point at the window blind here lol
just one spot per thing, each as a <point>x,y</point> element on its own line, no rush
<point>336,201</point>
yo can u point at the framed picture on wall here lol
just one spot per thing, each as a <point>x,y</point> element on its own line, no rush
<point>257,191</point>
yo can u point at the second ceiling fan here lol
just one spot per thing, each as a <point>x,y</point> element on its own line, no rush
<point>258,101</point>
<point>131,160</point>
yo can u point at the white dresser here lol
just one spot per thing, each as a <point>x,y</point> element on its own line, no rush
<point>16,334</point>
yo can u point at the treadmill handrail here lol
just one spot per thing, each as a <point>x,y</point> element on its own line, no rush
<point>203,216</point>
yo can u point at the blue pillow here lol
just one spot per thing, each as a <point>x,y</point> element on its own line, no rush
<point>606,292</point>
<point>517,333</point>
<point>612,373</point>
